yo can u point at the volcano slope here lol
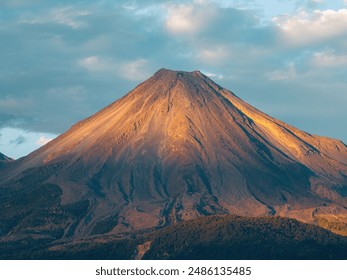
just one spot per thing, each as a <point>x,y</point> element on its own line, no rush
<point>177,147</point>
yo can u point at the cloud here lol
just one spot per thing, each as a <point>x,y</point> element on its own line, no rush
<point>91,63</point>
<point>95,63</point>
<point>14,110</point>
<point>136,70</point>
<point>43,66</point>
<point>287,74</point>
<point>214,76</point>
<point>189,18</point>
<point>215,55</point>
<point>67,16</point>
<point>78,56</point>
<point>329,59</point>
<point>11,103</point>
<point>43,140</point>
<point>18,141</point>
<point>306,28</point>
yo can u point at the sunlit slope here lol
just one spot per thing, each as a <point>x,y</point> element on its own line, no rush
<point>177,147</point>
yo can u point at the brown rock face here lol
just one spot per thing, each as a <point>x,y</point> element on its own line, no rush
<point>176,147</point>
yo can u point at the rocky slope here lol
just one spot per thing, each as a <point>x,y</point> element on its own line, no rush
<point>177,147</point>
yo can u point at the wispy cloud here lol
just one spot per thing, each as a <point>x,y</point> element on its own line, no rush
<point>68,16</point>
<point>329,59</point>
<point>96,64</point>
<point>135,70</point>
<point>214,55</point>
<point>18,141</point>
<point>286,74</point>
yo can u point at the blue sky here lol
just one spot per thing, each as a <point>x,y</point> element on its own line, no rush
<point>62,61</point>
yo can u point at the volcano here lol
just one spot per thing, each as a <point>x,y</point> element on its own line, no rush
<point>175,148</point>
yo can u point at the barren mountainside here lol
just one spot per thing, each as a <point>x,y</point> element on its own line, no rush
<point>177,147</point>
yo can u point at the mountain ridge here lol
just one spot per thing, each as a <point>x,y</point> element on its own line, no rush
<point>4,159</point>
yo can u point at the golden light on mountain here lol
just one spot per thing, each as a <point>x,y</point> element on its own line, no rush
<point>178,146</point>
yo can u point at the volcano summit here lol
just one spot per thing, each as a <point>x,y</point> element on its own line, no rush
<point>177,147</point>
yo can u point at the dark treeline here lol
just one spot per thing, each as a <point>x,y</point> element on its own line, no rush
<point>230,237</point>
<point>213,237</point>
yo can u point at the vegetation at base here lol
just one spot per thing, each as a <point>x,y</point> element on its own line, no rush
<point>212,237</point>
<point>230,237</point>
<point>333,225</point>
<point>43,249</point>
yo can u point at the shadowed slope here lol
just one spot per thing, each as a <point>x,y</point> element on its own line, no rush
<point>4,159</point>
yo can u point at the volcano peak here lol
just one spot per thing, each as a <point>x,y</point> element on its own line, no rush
<point>194,86</point>
<point>167,73</point>
<point>176,147</point>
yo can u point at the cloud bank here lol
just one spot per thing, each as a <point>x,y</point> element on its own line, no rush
<point>62,61</point>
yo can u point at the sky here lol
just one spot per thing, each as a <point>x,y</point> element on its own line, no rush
<point>62,61</point>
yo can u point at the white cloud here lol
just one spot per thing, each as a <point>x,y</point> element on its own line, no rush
<point>100,64</point>
<point>95,64</point>
<point>135,70</point>
<point>305,28</point>
<point>328,59</point>
<point>89,62</point>
<point>214,76</point>
<point>180,19</point>
<point>287,74</point>
<point>43,140</point>
<point>189,18</point>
